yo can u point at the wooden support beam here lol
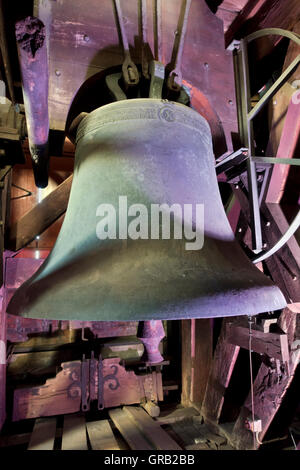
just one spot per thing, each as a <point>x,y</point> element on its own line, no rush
<point>196,359</point>
<point>63,394</point>
<point>259,14</point>
<point>272,344</point>
<point>38,219</point>
<point>5,190</point>
<point>269,386</point>
<point>225,357</point>
<point>286,149</point>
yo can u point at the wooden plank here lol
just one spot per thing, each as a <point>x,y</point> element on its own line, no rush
<point>242,16</point>
<point>286,149</point>
<point>269,388</point>
<point>284,266</point>
<point>21,439</point>
<point>101,435</point>
<point>129,430</point>
<point>224,360</point>
<point>179,414</point>
<point>160,392</point>
<point>151,429</point>
<point>259,14</point>
<point>40,217</point>
<point>272,344</point>
<point>74,433</point>
<point>284,125</point>
<point>43,434</point>
<point>196,359</point>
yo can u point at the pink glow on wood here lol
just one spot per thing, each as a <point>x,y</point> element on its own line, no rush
<point>286,149</point>
<point>2,359</point>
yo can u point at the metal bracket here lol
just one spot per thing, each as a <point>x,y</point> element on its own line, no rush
<point>85,384</point>
<point>245,117</point>
<point>157,73</point>
<point>100,384</point>
<point>175,76</point>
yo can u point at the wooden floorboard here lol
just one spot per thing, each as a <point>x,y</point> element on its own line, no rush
<point>43,434</point>
<point>151,429</point>
<point>74,433</point>
<point>101,435</point>
<point>129,430</point>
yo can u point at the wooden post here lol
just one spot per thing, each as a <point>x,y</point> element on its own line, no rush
<point>196,360</point>
<point>269,388</point>
<point>2,360</point>
<point>5,182</point>
<point>33,59</point>
<point>225,357</point>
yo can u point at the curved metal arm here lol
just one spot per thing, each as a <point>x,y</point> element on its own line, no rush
<point>290,231</point>
<point>275,32</point>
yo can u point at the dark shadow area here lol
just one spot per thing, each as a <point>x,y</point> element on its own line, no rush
<point>239,386</point>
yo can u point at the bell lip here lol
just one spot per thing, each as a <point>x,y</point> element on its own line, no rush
<point>214,305</point>
<point>126,104</point>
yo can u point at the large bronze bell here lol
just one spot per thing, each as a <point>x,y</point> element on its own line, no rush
<point>145,152</point>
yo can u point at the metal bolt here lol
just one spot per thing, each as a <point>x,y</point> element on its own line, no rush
<point>239,230</point>
<point>206,65</point>
<point>265,245</point>
<point>57,73</point>
<point>236,186</point>
<point>268,224</point>
<point>295,84</point>
<point>294,277</point>
<point>86,38</point>
<point>230,102</point>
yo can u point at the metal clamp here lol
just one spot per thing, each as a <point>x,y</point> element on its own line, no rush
<point>100,384</point>
<point>129,69</point>
<point>85,384</point>
<point>175,76</point>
